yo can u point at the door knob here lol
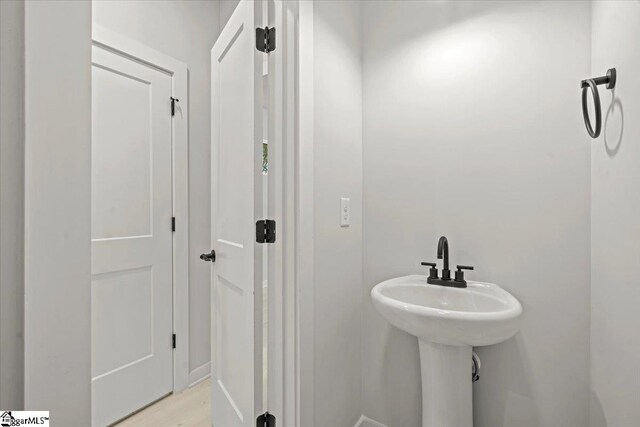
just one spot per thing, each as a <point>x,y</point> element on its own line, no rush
<point>209,257</point>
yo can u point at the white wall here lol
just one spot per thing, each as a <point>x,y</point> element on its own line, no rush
<point>11,204</point>
<point>615,226</point>
<point>57,221</point>
<point>185,30</point>
<point>473,130</point>
<point>338,251</point>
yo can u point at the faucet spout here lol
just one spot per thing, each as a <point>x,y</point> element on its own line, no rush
<point>443,253</point>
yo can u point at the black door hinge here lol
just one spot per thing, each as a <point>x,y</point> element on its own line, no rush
<point>173,340</point>
<point>173,223</point>
<point>266,39</point>
<point>266,231</point>
<point>173,105</point>
<point>266,420</point>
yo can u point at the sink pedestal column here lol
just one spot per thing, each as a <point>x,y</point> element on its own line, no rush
<point>446,385</point>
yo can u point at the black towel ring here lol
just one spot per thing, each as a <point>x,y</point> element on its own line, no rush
<point>610,81</point>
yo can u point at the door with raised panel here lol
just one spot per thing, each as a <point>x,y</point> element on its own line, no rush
<point>132,354</point>
<point>236,205</point>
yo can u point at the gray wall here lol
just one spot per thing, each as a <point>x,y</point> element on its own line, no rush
<point>11,204</point>
<point>57,220</point>
<point>473,130</point>
<point>338,251</point>
<point>615,224</point>
<point>185,30</point>
<point>226,9</point>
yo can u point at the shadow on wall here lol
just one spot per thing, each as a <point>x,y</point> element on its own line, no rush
<point>596,416</point>
<point>507,376</point>
<point>613,125</point>
<point>453,13</point>
<point>397,378</point>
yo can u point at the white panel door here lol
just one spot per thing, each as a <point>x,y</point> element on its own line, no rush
<point>236,275</point>
<point>132,354</point>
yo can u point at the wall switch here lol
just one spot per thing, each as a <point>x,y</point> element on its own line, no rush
<point>345,212</point>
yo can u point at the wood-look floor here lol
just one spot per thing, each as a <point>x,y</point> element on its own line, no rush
<point>187,409</point>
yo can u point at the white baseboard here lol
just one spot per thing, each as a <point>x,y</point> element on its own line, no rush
<point>368,422</point>
<point>199,374</point>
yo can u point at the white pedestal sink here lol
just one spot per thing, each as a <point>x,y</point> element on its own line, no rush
<point>448,323</point>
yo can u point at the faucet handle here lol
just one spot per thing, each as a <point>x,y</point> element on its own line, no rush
<point>460,273</point>
<point>433,271</point>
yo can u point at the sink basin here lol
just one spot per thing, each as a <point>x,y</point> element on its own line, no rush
<point>448,322</point>
<point>480,314</point>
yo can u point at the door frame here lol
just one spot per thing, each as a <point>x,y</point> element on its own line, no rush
<point>291,204</point>
<point>295,357</point>
<point>124,46</point>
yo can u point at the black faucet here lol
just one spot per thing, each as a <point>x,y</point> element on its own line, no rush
<point>445,280</point>
<point>443,251</point>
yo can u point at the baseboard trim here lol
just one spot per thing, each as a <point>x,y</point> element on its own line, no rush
<point>368,422</point>
<point>199,374</point>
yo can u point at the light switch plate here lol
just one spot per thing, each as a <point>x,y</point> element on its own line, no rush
<point>345,212</point>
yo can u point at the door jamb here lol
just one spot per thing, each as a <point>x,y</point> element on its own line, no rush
<point>291,193</point>
<point>305,217</point>
<point>178,71</point>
